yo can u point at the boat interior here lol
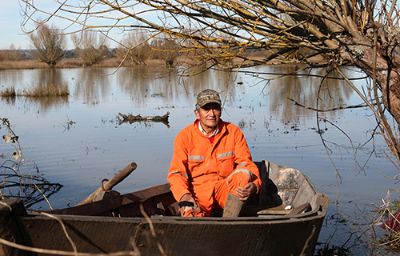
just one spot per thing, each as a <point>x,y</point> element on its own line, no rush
<point>285,193</point>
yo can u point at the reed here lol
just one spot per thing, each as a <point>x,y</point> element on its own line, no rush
<point>37,92</point>
<point>47,91</point>
<point>8,93</point>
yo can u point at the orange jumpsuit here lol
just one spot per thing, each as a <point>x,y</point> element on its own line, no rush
<point>209,168</point>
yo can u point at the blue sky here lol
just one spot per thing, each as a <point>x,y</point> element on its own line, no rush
<point>11,32</point>
<point>10,20</point>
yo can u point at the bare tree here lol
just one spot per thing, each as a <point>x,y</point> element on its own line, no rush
<point>166,49</point>
<point>318,33</point>
<point>91,47</point>
<point>135,47</point>
<point>49,44</point>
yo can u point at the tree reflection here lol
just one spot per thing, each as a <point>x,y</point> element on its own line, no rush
<point>195,79</point>
<point>92,85</point>
<point>48,90</point>
<point>142,83</point>
<point>315,89</point>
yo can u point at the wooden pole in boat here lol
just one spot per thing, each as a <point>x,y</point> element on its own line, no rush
<point>8,225</point>
<point>109,184</point>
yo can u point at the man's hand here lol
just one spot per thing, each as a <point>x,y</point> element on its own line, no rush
<point>188,206</point>
<point>247,191</point>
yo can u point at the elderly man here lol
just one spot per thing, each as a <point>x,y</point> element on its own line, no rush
<point>211,158</point>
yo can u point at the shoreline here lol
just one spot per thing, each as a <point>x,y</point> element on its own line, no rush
<point>115,62</point>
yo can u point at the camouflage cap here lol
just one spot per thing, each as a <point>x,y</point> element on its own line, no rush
<point>208,96</point>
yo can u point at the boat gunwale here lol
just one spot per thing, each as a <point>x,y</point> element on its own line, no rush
<point>143,195</point>
<point>178,220</point>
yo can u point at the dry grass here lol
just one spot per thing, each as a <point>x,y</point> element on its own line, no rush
<point>77,63</point>
<point>8,92</point>
<point>391,241</point>
<point>47,91</point>
<point>69,63</point>
<point>40,91</point>
<point>389,220</point>
<point>23,64</point>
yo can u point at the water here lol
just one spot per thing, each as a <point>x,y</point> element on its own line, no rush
<point>78,141</point>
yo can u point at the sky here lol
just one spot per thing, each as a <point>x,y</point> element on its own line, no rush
<point>10,20</point>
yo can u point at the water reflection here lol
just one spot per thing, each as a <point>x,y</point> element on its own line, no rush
<point>170,86</point>
<point>10,78</point>
<point>196,79</point>
<point>48,90</point>
<point>92,84</point>
<point>310,91</point>
<point>45,88</point>
<point>142,83</point>
<point>95,146</point>
<point>29,188</point>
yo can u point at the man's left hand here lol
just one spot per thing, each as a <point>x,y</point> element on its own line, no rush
<point>247,191</point>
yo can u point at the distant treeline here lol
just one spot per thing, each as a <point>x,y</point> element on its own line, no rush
<point>91,48</point>
<point>31,54</point>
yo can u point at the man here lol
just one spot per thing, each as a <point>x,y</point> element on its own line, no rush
<point>211,158</point>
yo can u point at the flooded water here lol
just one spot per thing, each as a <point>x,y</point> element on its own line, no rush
<point>77,140</point>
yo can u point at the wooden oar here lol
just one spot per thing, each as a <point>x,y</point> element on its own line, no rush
<point>109,184</point>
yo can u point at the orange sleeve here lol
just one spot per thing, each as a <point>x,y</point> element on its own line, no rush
<point>177,174</point>
<point>244,160</point>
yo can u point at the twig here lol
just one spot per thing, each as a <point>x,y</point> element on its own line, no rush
<point>30,184</point>
<point>59,252</point>
<point>329,151</point>
<point>328,110</point>
<point>63,228</point>
<point>6,205</point>
<point>337,127</point>
<point>152,230</point>
<point>44,196</point>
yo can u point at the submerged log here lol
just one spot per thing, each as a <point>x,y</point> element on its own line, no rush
<point>139,118</point>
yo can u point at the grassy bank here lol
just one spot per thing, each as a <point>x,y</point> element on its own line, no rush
<point>77,63</point>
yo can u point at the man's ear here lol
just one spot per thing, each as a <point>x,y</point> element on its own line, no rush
<point>197,114</point>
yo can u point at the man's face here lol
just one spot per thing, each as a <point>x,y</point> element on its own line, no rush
<point>209,116</point>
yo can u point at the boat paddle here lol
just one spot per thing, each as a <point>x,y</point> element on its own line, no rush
<point>107,185</point>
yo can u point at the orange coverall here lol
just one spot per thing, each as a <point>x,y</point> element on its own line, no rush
<point>210,168</point>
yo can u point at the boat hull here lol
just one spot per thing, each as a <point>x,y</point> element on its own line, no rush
<point>174,236</point>
<point>121,223</point>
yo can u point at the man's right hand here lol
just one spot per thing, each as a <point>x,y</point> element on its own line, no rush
<point>188,206</point>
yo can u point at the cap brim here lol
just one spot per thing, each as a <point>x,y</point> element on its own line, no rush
<point>208,102</point>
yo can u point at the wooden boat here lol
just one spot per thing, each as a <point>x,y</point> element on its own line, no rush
<point>285,219</point>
